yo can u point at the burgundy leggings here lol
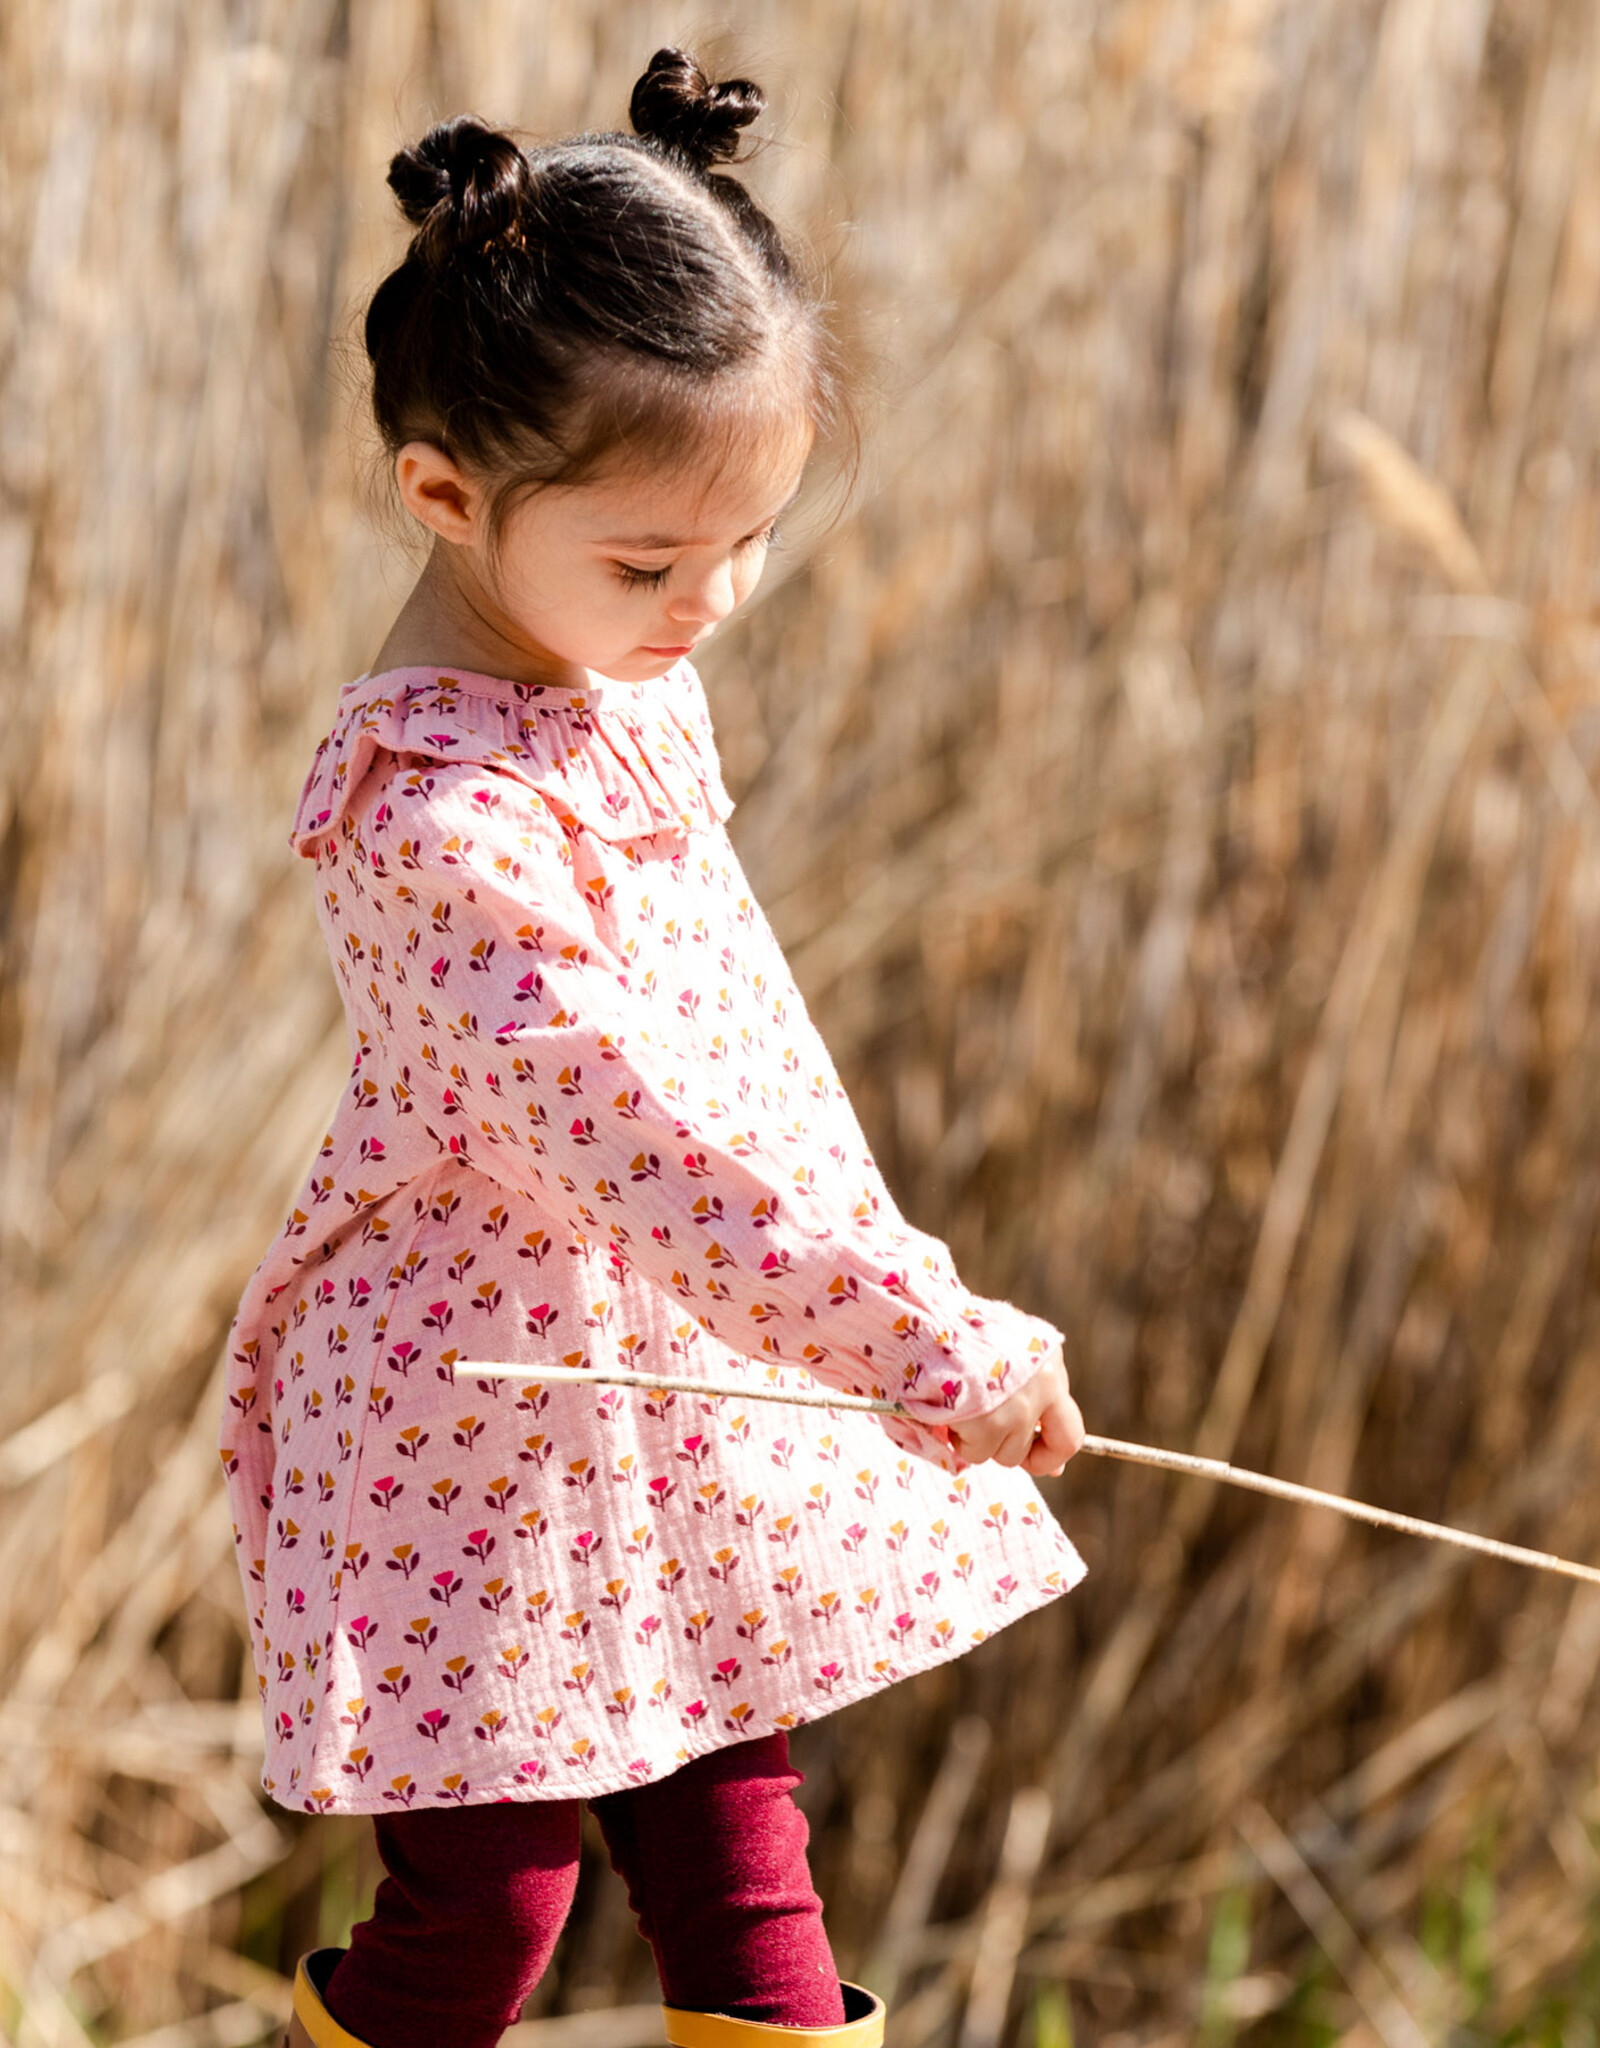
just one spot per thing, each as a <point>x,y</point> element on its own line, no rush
<point>714,1858</point>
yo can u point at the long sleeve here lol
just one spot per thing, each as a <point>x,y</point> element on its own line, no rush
<point>493,1007</point>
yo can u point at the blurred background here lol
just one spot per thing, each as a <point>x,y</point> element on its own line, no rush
<point>1172,780</point>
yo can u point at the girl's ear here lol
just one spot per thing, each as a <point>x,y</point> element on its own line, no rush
<point>436,491</point>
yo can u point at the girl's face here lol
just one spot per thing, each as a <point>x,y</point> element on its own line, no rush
<point>622,575</point>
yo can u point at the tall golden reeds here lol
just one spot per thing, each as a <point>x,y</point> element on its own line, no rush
<point>1173,784</point>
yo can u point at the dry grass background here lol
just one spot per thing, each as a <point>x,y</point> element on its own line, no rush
<point>1173,786</point>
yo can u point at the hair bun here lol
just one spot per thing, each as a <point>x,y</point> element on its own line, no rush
<point>676,105</point>
<point>461,187</point>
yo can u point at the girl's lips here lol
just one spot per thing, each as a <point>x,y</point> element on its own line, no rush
<point>686,648</point>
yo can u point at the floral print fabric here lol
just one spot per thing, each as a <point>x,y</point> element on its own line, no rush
<point>588,1122</point>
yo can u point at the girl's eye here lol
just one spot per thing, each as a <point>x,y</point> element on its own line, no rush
<point>765,539</point>
<point>641,579</point>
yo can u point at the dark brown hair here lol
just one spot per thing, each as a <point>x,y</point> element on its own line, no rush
<point>604,296</point>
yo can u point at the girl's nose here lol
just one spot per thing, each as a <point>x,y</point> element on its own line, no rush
<point>706,600</point>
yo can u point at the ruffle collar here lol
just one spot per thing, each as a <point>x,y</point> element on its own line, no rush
<point>622,759</point>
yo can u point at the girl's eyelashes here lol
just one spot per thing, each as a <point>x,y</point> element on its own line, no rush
<point>652,579</point>
<point>641,579</point>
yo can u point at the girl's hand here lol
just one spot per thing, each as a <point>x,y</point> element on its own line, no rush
<point>1038,1427</point>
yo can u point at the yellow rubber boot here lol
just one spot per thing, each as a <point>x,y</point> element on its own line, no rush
<point>862,2028</point>
<point>313,2026</point>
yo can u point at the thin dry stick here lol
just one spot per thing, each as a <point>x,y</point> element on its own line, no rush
<point>929,1853</point>
<point>1096,1446</point>
<point>1004,1926</point>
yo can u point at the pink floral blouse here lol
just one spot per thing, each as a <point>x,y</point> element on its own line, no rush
<point>588,1122</point>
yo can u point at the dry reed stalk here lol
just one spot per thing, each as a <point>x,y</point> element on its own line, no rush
<point>1178,813</point>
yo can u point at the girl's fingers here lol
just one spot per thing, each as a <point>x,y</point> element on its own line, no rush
<point>1060,1436</point>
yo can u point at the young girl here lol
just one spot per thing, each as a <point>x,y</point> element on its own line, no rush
<point>590,1123</point>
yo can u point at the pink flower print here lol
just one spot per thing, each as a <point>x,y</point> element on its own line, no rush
<point>362,1631</point>
<point>621,1702</point>
<point>903,1625</point>
<point>513,1661</point>
<point>646,1631</point>
<point>951,1392</point>
<point>433,1723</point>
<point>500,1492</point>
<point>295,1600</point>
<point>927,1585</point>
<point>468,1430</point>
<point>423,1633</point>
<point>402,1790</point>
<point>585,1547</point>
<point>1004,1588</point>
<point>728,1669</point>
<point>438,974</point>
<point>456,1673</point>
<point>439,1317</point>
<point>395,1682</point>
<point>608,1404</point>
<point>782,1453</point>
<point>697,1624</point>
<point>445,1587</point>
<point>531,1769</point>
<point>442,1494</point>
<point>639,1771</point>
<point>539,1319</point>
<point>694,1714</point>
<point>695,1451</point>
<point>478,1545</point>
<point>852,1538</point>
<point>660,1490</point>
<point>284,1724</point>
<point>828,1676</point>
